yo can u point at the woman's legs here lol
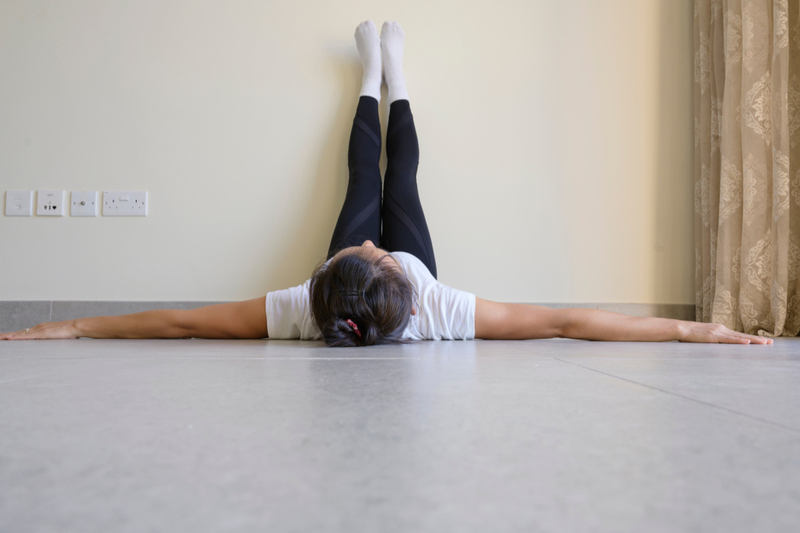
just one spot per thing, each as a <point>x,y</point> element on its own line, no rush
<point>404,226</point>
<point>360,218</point>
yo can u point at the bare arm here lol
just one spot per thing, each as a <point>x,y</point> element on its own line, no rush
<point>237,320</point>
<point>494,320</point>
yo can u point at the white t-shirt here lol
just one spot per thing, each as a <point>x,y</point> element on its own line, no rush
<point>442,312</point>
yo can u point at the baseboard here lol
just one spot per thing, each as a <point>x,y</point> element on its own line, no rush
<point>676,311</point>
<point>24,314</point>
<point>16,315</point>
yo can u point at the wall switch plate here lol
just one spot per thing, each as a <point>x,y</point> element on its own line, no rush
<point>125,203</point>
<point>84,204</point>
<point>50,203</point>
<point>19,203</point>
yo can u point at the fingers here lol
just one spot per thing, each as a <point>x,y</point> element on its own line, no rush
<point>752,339</point>
<point>43,331</point>
<point>733,337</point>
<point>21,335</point>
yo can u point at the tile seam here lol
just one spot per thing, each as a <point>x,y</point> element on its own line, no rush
<point>689,398</point>
<point>237,358</point>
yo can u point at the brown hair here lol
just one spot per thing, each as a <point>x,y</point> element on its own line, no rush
<point>375,295</point>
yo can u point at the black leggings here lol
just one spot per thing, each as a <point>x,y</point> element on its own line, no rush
<point>404,227</point>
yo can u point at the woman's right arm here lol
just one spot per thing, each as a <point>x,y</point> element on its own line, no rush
<point>237,320</point>
<point>496,320</point>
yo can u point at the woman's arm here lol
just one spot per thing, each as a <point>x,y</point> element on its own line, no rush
<point>238,320</point>
<point>494,320</point>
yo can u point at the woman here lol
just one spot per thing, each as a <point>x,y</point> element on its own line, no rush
<point>366,295</point>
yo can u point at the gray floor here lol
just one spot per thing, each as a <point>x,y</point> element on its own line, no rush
<point>440,436</point>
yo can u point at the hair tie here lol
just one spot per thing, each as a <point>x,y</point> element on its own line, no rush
<point>354,326</point>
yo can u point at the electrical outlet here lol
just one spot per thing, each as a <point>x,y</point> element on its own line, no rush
<point>125,203</point>
<point>19,203</point>
<point>84,204</point>
<point>50,203</point>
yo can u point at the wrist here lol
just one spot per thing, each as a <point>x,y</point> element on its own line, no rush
<point>78,327</point>
<point>680,331</point>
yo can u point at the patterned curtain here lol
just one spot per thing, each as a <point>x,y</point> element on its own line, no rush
<point>747,164</point>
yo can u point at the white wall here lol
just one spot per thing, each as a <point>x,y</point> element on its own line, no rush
<point>556,143</point>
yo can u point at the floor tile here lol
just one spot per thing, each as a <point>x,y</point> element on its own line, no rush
<point>437,436</point>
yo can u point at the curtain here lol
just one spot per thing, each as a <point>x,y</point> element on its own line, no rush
<point>747,164</point>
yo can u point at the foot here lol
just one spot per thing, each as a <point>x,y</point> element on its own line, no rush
<point>369,48</point>
<point>392,43</point>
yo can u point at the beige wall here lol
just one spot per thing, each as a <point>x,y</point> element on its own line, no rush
<point>556,143</point>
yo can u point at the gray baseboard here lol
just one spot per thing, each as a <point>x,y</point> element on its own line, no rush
<point>676,311</point>
<point>24,314</point>
<point>20,315</point>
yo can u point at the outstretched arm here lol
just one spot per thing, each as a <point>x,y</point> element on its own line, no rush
<point>238,320</point>
<point>494,320</point>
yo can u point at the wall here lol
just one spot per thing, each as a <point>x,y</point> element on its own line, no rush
<point>556,143</point>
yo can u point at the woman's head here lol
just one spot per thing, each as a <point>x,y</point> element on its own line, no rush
<point>361,297</point>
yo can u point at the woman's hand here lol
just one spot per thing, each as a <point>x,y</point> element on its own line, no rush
<point>237,320</point>
<point>46,330</point>
<point>716,333</point>
<point>495,320</point>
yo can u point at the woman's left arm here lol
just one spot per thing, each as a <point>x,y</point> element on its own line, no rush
<point>236,320</point>
<point>495,320</point>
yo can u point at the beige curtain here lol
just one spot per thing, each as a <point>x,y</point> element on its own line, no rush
<point>747,164</point>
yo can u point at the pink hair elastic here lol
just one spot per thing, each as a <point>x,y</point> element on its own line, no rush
<point>354,326</point>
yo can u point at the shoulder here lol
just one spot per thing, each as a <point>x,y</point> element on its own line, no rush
<point>292,294</point>
<point>442,311</point>
<point>288,313</point>
<point>415,269</point>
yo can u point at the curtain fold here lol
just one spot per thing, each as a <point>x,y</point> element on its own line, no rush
<point>747,164</point>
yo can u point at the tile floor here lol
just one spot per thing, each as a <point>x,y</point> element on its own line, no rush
<point>533,436</point>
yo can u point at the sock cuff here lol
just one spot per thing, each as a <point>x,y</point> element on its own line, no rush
<point>397,92</point>
<point>376,94</point>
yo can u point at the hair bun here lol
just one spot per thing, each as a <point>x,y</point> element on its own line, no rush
<point>357,302</point>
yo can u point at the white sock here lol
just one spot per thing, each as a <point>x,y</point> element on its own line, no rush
<point>392,39</point>
<point>369,48</point>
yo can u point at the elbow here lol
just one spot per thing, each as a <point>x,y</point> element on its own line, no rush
<point>180,325</point>
<point>568,328</point>
<point>567,325</point>
<point>569,332</point>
